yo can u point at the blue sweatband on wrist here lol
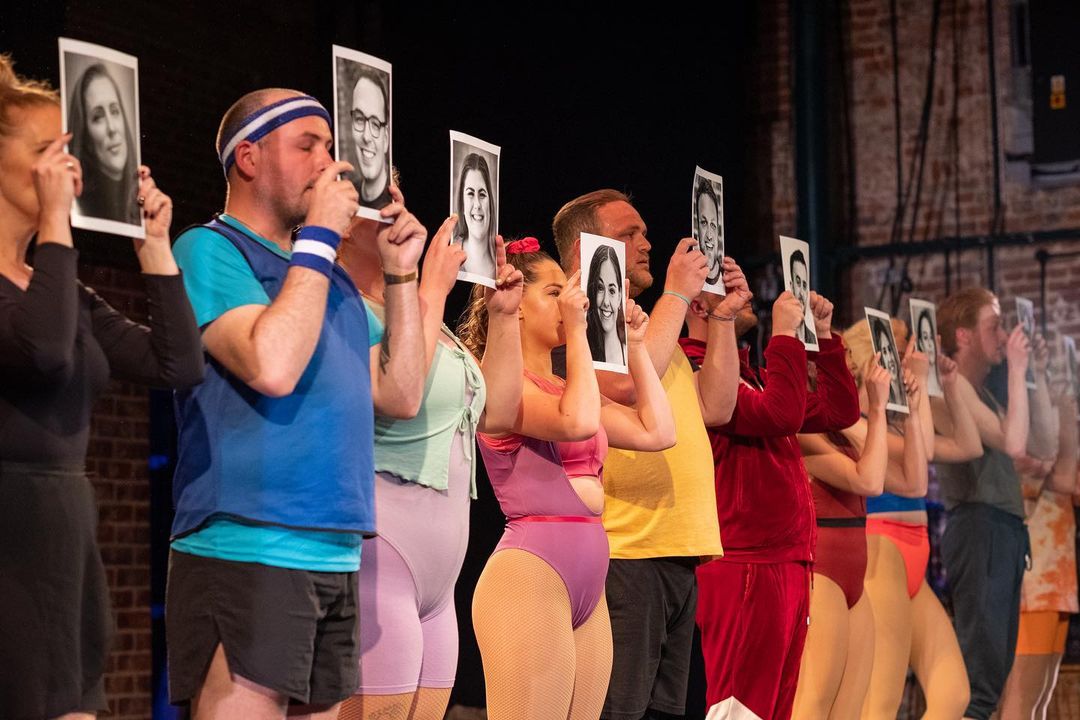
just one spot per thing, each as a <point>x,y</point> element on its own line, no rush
<point>315,248</point>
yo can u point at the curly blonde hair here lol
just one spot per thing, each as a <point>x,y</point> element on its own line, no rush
<point>17,91</point>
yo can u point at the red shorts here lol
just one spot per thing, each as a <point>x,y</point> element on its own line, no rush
<point>753,626</point>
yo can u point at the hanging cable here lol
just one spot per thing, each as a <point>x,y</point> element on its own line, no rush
<point>915,177</point>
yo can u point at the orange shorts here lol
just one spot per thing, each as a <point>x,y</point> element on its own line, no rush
<point>1042,632</point>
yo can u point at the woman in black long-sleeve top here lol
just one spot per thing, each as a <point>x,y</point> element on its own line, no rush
<point>59,345</point>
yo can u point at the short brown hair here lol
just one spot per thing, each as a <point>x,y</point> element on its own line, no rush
<point>960,310</point>
<point>17,91</point>
<point>578,216</point>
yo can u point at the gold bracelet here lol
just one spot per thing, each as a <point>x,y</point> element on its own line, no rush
<point>399,279</point>
<point>722,318</point>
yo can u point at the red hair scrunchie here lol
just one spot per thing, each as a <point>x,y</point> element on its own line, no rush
<point>524,245</point>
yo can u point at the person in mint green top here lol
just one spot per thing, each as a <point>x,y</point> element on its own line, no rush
<point>425,475</point>
<point>274,484</point>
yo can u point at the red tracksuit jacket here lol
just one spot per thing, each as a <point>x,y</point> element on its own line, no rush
<point>762,491</point>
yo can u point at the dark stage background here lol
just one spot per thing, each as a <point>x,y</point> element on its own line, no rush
<point>578,99</point>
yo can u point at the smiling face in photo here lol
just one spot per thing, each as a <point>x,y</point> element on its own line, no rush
<point>888,354</point>
<point>890,360</point>
<point>608,296</point>
<point>106,126</point>
<point>369,131</point>
<point>925,338</point>
<point>708,234</point>
<point>476,204</point>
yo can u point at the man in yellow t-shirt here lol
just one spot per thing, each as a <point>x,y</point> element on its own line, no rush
<point>660,507</point>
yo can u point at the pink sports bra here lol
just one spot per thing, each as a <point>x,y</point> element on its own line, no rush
<point>584,458</point>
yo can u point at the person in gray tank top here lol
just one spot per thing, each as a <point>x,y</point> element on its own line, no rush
<point>985,547</point>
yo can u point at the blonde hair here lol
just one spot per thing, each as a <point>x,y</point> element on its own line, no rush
<point>860,348</point>
<point>17,91</point>
<point>961,310</point>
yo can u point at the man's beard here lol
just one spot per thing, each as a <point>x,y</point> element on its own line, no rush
<point>293,214</point>
<point>640,281</point>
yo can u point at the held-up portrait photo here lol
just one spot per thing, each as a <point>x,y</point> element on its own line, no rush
<point>924,325</point>
<point>795,258</point>
<point>1025,316</point>
<point>362,123</point>
<point>474,196</point>
<point>99,91</point>
<point>707,225</point>
<point>881,336</point>
<point>603,267</point>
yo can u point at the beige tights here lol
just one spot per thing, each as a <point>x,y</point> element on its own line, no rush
<point>424,704</point>
<point>886,586</point>
<point>838,655</point>
<point>936,658</point>
<point>910,631</point>
<point>536,666</point>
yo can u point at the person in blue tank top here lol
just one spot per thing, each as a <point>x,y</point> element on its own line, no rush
<point>274,481</point>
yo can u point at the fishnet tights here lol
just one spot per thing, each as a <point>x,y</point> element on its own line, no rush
<point>536,666</point>
<point>424,704</point>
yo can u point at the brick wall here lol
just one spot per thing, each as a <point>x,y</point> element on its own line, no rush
<point>182,157</point>
<point>957,192</point>
<point>117,465</point>
<point>957,195</point>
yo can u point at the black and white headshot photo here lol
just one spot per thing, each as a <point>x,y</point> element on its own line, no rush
<point>1025,316</point>
<point>1071,377</point>
<point>795,257</point>
<point>603,267</point>
<point>707,223</point>
<point>881,335</point>
<point>362,125</point>
<point>924,325</point>
<point>474,196</point>
<point>99,91</point>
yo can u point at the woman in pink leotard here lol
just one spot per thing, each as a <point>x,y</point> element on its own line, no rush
<point>539,609</point>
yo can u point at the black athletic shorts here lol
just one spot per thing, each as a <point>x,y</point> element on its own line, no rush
<point>652,604</point>
<point>292,631</point>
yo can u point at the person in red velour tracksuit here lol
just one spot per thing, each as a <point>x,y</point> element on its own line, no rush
<point>753,602</point>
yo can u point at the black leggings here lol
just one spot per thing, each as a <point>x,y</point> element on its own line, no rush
<point>985,552</point>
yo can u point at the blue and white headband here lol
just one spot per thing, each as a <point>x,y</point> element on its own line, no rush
<point>265,120</point>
